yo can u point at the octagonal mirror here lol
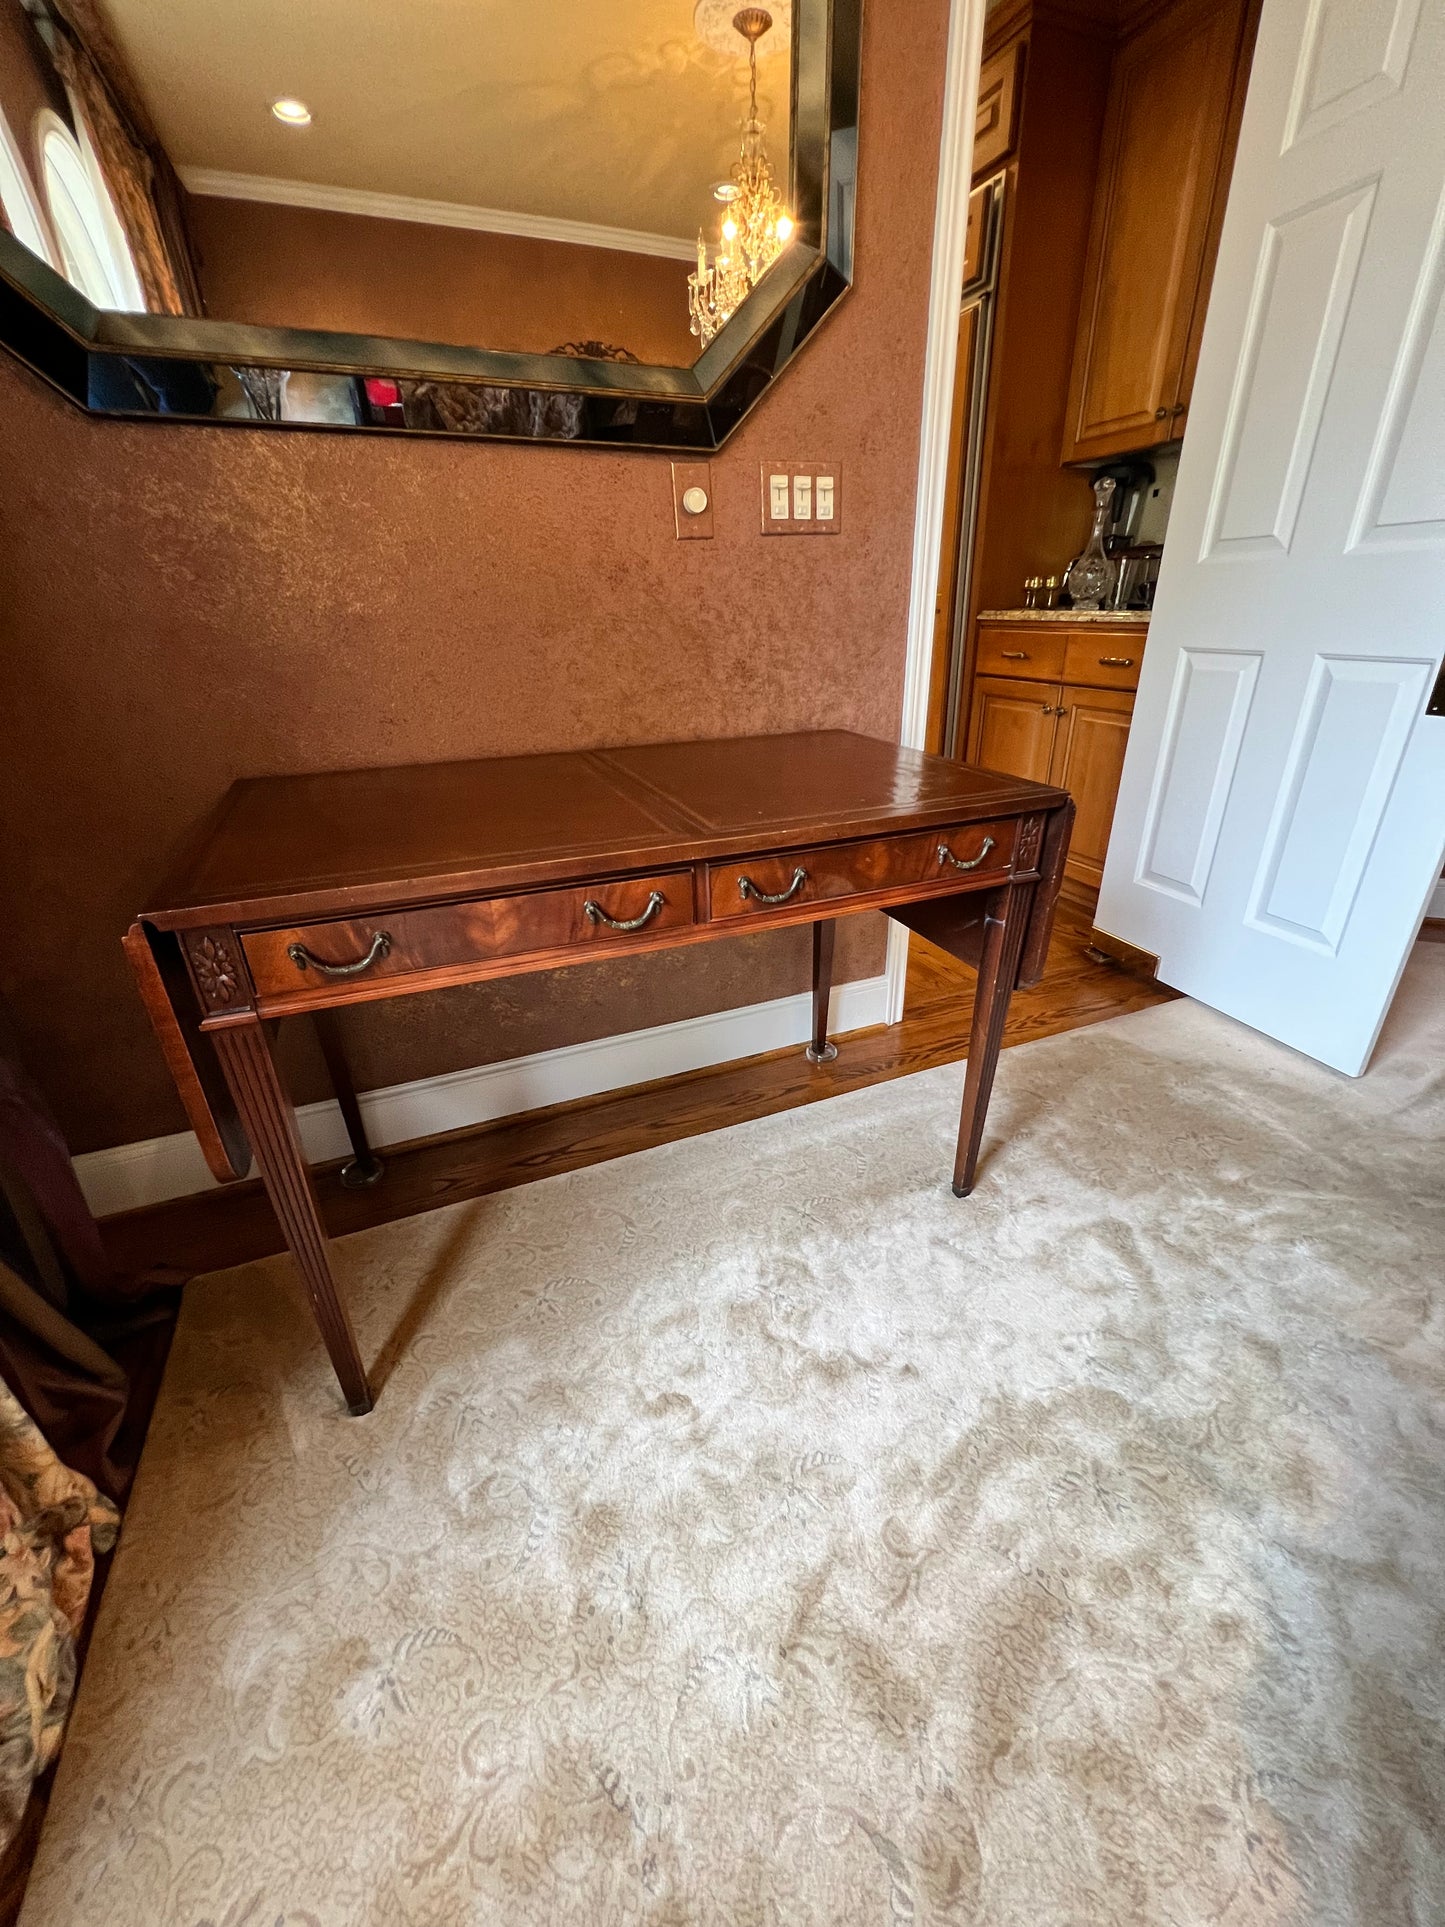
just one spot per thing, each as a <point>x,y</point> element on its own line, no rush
<point>585,222</point>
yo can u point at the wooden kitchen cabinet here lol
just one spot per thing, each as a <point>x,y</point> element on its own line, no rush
<point>1175,97</point>
<point>996,122</point>
<point>1013,726</point>
<point>1088,760</point>
<point>1072,733</point>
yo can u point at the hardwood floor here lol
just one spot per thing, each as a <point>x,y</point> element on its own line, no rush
<point>233,1225</point>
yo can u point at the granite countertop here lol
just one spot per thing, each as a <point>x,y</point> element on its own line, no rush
<point>1111,617</point>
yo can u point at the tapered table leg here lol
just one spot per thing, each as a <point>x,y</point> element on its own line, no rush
<point>1004,928</point>
<point>365,1167</point>
<point>270,1124</point>
<point>820,1051</point>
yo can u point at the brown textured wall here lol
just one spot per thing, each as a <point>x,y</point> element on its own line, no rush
<point>303,267</point>
<point>181,606</point>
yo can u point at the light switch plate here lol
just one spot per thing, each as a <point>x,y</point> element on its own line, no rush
<point>802,498</point>
<point>692,523</point>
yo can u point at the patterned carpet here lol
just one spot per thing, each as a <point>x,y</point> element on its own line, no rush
<point>751,1533</point>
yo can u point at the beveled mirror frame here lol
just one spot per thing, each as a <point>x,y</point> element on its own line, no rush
<point>157,367</point>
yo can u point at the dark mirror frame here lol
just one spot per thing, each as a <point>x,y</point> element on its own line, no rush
<point>173,368</point>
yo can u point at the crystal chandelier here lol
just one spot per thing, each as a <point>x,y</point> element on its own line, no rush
<point>755,224</point>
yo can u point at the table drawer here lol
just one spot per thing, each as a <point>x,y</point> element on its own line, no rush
<point>400,943</point>
<point>1022,649</point>
<point>1104,661</point>
<point>833,870</point>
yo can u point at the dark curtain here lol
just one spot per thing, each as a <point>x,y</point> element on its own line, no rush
<point>81,1354</point>
<point>81,1346</point>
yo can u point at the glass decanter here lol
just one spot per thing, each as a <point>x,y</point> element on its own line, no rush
<point>1090,576</point>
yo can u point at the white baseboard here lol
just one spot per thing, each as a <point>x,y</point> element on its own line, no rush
<point>1436,905</point>
<point>129,1175</point>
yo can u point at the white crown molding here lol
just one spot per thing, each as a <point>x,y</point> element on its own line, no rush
<point>219,184</point>
<point>130,1175</point>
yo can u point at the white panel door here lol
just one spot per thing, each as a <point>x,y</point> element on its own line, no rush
<point>1281,819</point>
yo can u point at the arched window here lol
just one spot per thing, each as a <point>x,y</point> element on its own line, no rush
<point>93,247</point>
<point>17,197</point>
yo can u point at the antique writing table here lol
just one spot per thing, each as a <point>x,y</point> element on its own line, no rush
<point>308,893</point>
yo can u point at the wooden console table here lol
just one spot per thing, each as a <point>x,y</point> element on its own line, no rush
<point>304,894</point>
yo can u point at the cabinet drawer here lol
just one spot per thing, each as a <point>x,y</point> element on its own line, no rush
<point>1105,660</point>
<point>443,936</point>
<point>1024,649</point>
<point>857,869</point>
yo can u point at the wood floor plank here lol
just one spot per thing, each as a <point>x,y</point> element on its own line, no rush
<point>235,1225</point>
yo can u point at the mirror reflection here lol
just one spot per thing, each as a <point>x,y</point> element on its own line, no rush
<point>574,177</point>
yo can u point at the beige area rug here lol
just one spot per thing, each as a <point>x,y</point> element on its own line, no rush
<point>752,1534</point>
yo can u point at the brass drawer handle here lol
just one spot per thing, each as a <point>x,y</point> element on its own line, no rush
<point>945,855</point>
<point>1116,662</point>
<point>1014,655</point>
<point>596,914</point>
<point>305,959</point>
<point>747,888</point>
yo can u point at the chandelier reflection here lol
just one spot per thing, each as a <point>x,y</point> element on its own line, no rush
<point>755,223</point>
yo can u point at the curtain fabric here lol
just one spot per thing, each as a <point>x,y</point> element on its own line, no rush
<point>52,1524</point>
<point>128,174</point>
<point>82,1349</point>
<point>81,1346</point>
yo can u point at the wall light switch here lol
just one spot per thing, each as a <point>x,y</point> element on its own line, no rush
<point>691,500</point>
<point>802,498</point>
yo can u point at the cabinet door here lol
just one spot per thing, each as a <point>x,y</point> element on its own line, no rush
<point>1168,136</point>
<point>1011,726</point>
<point>1088,759</point>
<point>998,102</point>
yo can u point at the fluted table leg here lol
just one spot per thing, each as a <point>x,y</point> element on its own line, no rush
<point>998,968</point>
<point>270,1124</point>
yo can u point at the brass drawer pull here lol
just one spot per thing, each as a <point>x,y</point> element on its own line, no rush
<point>747,888</point>
<point>945,855</point>
<point>596,914</point>
<point>305,959</point>
<point>1014,655</point>
<point>1116,662</point>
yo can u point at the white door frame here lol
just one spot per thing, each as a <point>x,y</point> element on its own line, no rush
<point>950,225</point>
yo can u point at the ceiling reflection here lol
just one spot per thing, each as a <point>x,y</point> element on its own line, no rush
<point>526,180</point>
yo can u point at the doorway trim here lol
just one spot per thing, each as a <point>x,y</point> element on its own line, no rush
<point>950,224</point>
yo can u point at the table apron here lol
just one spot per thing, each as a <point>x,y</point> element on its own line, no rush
<point>341,993</point>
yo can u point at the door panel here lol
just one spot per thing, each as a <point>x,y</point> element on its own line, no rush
<point>1281,818</point>
<point>1088,758</point>
<point>1012,726</point>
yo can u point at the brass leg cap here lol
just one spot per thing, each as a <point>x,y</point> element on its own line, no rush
<point>362,1172</point>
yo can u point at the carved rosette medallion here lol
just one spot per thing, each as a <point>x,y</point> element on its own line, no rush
<point>214,969</point>
<point>1031,835</point>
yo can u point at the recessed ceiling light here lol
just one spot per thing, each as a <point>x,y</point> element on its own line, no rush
<point>725,191</point>
<point>291,113</point>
